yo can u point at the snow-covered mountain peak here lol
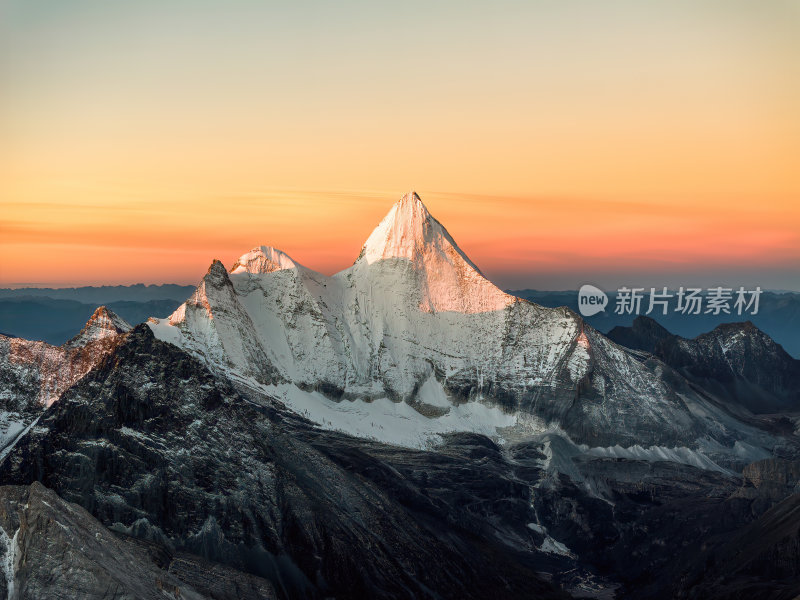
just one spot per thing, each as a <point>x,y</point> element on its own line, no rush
<point>214,282</point>
<point>412,341</point>
<point>262,260</point>
<point>217,274</point>
<point>448,279</point>
<point>403,231</point>
<point>32,369</point>
<point>103,323</point>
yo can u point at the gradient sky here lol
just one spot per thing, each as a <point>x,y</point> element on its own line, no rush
<point>560,142</point>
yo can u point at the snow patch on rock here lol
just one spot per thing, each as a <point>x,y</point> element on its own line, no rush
<point>681,455</point>
<point>431,392</point>
<point>391,422</point>
<point>7,562</point>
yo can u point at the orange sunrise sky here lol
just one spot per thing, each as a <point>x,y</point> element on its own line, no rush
<point>560,142</point>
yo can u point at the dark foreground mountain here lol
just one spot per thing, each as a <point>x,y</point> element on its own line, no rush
<point>153,445</point>
<point>736,362</point>
<point>760,561</point>
<point>164,453</point>
<point>53,549</point>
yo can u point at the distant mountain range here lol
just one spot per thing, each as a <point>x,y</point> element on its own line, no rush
<point>737,362</point>
<point>105,294</point>
<point>54,321</point>
<point>54,315</point>
<point>778,316</point>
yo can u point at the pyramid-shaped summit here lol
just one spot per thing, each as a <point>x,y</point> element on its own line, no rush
<point>401,232</point>
<point>104,323</point>
<point>448,279</point>
<point>405,230</point>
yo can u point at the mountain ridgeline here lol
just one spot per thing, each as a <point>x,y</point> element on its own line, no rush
<point>778,316</point>
<point>737,361</point>
<point>414,326</point>
<point>401,429</point>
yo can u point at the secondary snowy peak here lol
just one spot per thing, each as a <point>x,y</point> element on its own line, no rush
<point>448,279</point>
<point>262,260</point>
<point>103,323</point>
<point>213,323</point>
<point>737,362</point>
<point>216,278</point>
<point>32,369</point>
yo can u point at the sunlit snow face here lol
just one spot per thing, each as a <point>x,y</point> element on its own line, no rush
<point>448,281</point>
<point>262,260</point>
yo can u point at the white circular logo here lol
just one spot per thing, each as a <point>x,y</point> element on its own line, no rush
<point>591,300</point>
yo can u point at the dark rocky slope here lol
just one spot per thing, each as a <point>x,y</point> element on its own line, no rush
<point>760,561</point>
<point>207,486</point>
<point>54,549</point>
<point>735,362</point>
<point>35,374</point>
<point>153,445</point>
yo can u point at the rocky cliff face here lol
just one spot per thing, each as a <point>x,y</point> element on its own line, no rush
<point>43,372</point>
<point>33,375</point>
<point>736,362</point>
<point>762,560</point>
<point>54,549</point>
<point>770,479</point>
<point>155,446</point>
